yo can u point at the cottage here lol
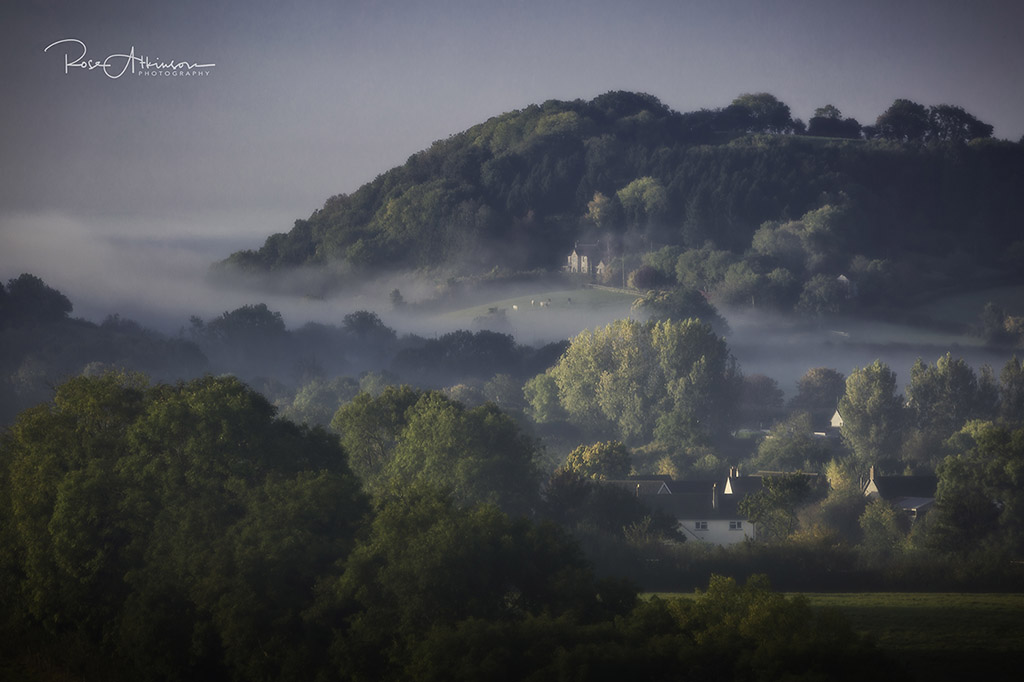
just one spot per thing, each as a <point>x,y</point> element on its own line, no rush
<point>915,495</point>
<point>702,511</point>
<point>707,517</point>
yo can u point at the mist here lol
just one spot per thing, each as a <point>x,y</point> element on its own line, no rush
<point>156,272</point>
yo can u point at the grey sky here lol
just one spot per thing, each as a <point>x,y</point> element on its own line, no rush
<point>310,99</point>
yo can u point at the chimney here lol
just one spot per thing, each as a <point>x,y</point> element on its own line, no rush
<point>871,474</point>
<point>714,496</point>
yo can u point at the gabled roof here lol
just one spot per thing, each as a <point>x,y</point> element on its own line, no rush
<point>696,506</point>
<point>741,486</point>
<point>641,486</point>
<point>893,488</point>
<point>694,486</point>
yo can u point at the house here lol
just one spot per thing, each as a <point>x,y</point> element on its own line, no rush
<point>586,259</point>
<point>701,509</point>
<point>915,495</point>
<point>837,420</point>
<point>707,516</point>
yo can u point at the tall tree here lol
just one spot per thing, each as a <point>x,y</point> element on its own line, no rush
<point>608,459</point>
<point>950,123</point>
<point>873,416</point>
<point>904,121</point>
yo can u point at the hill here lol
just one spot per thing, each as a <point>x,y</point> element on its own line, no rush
<point>517,191</point>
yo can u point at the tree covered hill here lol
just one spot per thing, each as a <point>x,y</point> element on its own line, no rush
<point>518,190</point>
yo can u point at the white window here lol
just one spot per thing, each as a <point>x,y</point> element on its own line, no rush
<point>735,525</point>
<point>700,525</point>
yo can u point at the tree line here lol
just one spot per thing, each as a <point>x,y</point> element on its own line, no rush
<point>166,532</point>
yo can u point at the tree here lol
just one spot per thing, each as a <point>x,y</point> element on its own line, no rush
<point>873,415</point>
<point>791,445</point>
<point>818,392</point>
<point>828,122</point>
<point>429,563</point>
<point>760,400</point>
<point>679,303</point>
<point>904,121</point>
<point>950,123</point>
<point>644,201</point>
<point>774,508</point>
<point>541,393</point>
<point>28,299</point>
<point>477,455</point>
<point>884,528</point>
<point>608,459</point>
<point>764,113</point>
<point>370,426</point>
<point>179,529</point>
<point>943,397</point>
<point>1011,393</point>
<point>980,497</point>
<point>822,295</point>
<point>676,378</point>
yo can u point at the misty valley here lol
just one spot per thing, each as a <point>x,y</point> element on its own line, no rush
<point>488,416</point>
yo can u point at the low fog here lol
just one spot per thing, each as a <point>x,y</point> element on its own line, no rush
<point>108,267</point>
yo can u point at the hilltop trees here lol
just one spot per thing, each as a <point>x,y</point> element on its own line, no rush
<point>907,121</point>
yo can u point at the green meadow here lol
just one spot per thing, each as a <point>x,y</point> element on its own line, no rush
<point>937,636</point>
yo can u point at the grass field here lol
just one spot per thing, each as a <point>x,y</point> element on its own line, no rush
<point>939,636</point>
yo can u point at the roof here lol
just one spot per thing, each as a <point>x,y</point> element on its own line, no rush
<point>696,506</point>
<point>893,488</point>
<point>641,486</point>
<point>743,485</point>
<point>693,486</point>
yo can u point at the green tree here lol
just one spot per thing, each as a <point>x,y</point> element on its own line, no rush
<point>950,123</point>
<point>178,529</point>
<point>904,121</point>
<point>943,397</point>
<point>873,416</point>
<point>28,299</point>
<point>604,460</point>
<point>479,454</point>
<point>644,201</point>
<point>370,426</point>
<point>773,509</point>
<point>673,379</point>
<point>980,498</point>
<point>822,295</point>
<point>679,303</point>
<point>818,392</point>
<point>791,445</point>
<point>429,563</point>
<point>884,529</point>
<point>764,113</point>
<point>541,394</point>
<point>1011,393</point>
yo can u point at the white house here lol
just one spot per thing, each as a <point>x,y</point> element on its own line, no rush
<point>707,517</point>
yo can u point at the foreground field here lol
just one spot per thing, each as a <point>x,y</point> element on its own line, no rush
<point>939,636</point>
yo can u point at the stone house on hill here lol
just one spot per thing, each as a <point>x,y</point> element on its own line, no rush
<point>586,259</point>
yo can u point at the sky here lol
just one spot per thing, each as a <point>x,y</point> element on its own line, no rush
<point>121,191</point>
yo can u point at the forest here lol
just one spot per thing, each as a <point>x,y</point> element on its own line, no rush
<point>922,200</point>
